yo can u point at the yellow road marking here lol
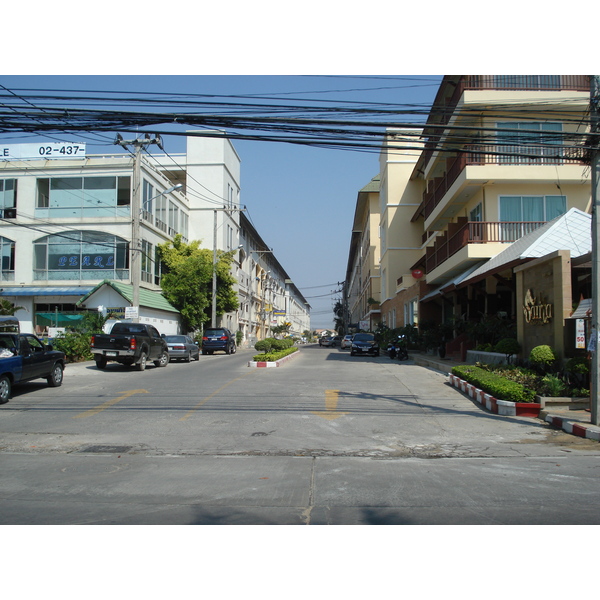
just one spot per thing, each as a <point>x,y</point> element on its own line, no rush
<point>101,407</point>
<point>205,400</point>
<point>331,401</point>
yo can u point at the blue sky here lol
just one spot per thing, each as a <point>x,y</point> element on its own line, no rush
<point>300,199</point>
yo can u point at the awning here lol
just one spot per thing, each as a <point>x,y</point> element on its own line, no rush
<point>440,290</point>
<point>57,319</point>
<point>581,311</point>
<point>46,291</point>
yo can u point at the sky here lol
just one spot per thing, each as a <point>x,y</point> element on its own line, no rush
<point>300,199</point>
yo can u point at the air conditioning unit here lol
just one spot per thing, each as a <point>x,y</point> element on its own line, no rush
<point>9,213</point>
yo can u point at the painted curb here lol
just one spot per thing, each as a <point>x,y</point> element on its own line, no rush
<point>498,407</point>
<point>590,432</point>
<point>276,363</point>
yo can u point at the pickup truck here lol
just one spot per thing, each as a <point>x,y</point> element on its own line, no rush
<point>130,344</point>
<point>24,357</point>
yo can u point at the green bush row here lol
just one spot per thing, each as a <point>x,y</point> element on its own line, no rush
<point>494,384</point>
<point>270,343</point>
<point>273,356</point>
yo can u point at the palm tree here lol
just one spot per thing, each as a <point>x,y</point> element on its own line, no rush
<point>8,308</point>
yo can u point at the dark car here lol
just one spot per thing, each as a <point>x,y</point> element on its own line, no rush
<point>182,347</point>
<point>218,339</point>
<point>364,343</point>
<point>337,341</point>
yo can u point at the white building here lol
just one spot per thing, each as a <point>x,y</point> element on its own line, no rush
<point>67,222</point>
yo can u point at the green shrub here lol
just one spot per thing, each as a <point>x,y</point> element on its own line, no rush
<point>578,364</point>
<point>542,356</point>
<point>263,345</point>
<point>75,345</point>
<point>273,356</point>
<point>508,346</point>
<point>553,386</point>
<point>494,384</point>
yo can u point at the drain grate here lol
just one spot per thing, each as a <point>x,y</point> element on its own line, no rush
<point>106,449</point>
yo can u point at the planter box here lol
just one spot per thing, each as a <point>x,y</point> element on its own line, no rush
<point>488,358</point>
<point>563,402</point>
<point>499,407</point>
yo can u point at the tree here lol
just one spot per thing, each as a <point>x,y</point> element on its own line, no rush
<point>8,308</point>
<point>338,311</point>
<point>187,281</point>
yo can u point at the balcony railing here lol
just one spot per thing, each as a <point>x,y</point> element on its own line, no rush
<point>465,232</point>
<point>496,155</point>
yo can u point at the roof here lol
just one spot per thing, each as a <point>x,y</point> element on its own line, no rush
<point>373,185</point>
<point>148,298</point>
<point>571,231</point>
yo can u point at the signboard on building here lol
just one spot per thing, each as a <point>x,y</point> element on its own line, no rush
<point>279,313</point>
<point>580,333</point>
<point>46,150</point>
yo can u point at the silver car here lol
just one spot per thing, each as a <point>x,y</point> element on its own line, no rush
<point>182,347</point>
<point>346,342</point>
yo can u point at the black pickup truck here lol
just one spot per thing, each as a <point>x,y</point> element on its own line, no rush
<point>130,344</point>
<point>24,357</point>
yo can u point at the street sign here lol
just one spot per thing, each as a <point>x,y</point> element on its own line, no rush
<point>132,312</point>
<point>46,150</point>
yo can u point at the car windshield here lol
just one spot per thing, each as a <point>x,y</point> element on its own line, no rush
<point>364,337</point>
<point>175,338</point>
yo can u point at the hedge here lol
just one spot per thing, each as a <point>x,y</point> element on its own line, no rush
<point>494,384</point>
<point>273,356</point>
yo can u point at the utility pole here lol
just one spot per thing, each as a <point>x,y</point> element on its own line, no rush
<point>136,211</point>
<point>595,169</point>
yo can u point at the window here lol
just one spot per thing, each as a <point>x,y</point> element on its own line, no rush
<point>517,211</point>
<point>529,140</point>
<point>106,196</point>
<point>411,312</point>
<point>147,196</point>
<point>81,255</point>
<point>476,214</point>
<point>7,255</point>
<point>8,198</point>
<point>173,218</point>
<point>147,261</point>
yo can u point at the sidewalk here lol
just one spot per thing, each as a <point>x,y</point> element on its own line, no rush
<point>576,421</point>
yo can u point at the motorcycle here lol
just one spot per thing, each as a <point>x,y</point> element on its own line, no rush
<point>397,349</point>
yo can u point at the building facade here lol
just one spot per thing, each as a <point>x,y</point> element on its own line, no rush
<point>70,221</point>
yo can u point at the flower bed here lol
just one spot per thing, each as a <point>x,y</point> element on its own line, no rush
<point>273,359</point>
<point>501,407</point>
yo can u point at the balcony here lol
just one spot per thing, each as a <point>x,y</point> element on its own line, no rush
<point>494,155</point>
<point>465,232</point>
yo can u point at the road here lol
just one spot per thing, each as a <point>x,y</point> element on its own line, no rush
<point>325,439</point>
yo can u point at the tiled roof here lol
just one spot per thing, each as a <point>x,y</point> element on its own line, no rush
<point>148,298</point>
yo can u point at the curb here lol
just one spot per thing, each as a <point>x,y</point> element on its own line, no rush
<point>499,407</point>
<point>276,363</point>
<point>590,432</point>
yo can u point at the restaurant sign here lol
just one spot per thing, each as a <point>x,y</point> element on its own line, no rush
<point>536,311</point>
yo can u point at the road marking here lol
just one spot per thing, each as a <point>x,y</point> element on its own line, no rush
<point>331,400</point>
<point>101,407</point>
<point>205,400</point>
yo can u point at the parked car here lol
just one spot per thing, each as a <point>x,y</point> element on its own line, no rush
<point>337,340</point>
<point>218,339</point>
<point>24,357</point>
<point>326,341</point>
<point>130,344</point>
<point>364,343</point>
<point>182,347</point>
<point>346,342</point>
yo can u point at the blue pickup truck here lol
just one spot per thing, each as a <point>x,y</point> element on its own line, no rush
<point>24,357</point>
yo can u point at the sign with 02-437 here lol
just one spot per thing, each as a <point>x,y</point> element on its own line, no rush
<point>46,150</point>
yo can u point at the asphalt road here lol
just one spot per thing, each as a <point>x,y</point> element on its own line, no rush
<point>325,439</point>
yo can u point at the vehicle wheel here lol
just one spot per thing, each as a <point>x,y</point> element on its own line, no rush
<point>101,362</point>
<point>198,356</point>
<point>376,354</point>
<point>55,378</point>
<point>233,350</point>
<point>141,366</point>
<point>5,389</point>
<point>352,353</point>
<point>188,358</point>
<point>163,360</point>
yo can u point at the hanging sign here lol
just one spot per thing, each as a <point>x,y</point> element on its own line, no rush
<point>417,273</point>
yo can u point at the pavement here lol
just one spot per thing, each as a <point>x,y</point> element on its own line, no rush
<point>573,420</point>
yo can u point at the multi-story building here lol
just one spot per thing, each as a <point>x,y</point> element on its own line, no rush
<point>70,221</point>
<point>502,156</point>
<point>268,297</point>
<point>362,294</point>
